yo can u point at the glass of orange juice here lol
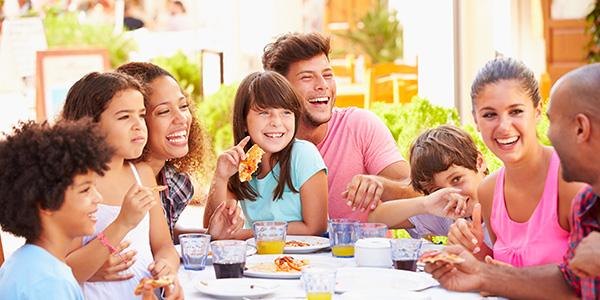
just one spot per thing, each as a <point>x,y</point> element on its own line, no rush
<point>319,283</point>
<point>342,236</point>
<point>270,237</point>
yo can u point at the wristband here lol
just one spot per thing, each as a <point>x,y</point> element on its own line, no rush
<point>112,249</point>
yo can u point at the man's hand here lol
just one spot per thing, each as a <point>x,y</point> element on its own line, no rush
<point>461,277</point>
<point>114,264</point>
<point>363,192</point>
<point>586,261</point>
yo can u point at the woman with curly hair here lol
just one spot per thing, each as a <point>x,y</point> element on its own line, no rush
<point>49,197</point>
<point>177,144</point>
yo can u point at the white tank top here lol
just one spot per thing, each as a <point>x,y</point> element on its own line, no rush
<point>140,240</point>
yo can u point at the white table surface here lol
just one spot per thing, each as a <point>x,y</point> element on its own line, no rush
<point>292,288</point>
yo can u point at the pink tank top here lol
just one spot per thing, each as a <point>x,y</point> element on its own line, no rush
<point>538,241</point>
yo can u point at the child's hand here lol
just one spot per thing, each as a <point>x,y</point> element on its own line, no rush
<point>226,220</point>
<point>447,203</point>
<point>138,201</point>
<point>109,271</point>
<point>161,267</point>
<point>468,235</point>
<point>229,161</point>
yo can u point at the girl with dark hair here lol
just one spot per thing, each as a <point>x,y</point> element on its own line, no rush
<point>129,211</point>
<point>291,183</point>
<point>526,201</point>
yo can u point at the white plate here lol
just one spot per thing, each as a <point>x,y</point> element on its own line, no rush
<point>316,243</point>
<point>383,294</point>
<point>315,261</point>
<point>249,251</point>
<point>235,288</point>
<point>373,278</point>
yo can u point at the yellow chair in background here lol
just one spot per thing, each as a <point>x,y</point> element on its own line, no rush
<point>390,83</point>
<point>344,68</point>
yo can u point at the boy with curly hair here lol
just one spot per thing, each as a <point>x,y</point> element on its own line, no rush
<point>447,167</point>
<point>49,198</point>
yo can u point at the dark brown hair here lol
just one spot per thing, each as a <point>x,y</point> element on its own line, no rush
<point>39,163</point>
<point>505,69</point>
<point>261,90</point>
<point>90,95</point>
<point>293,47</point>
<point>436,150</point>
<point>196,162</point>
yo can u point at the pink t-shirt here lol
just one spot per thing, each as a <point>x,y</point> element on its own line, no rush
<point>357,142</point>
<point>540,240</point>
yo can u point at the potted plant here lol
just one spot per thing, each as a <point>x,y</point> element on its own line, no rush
<point>378,33</point>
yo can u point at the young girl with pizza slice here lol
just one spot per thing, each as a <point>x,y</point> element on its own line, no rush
<point>129,211</point>
<point>526,201</point>
<point>291,183</point>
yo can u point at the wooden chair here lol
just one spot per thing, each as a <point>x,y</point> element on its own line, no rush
<point>390,83</point>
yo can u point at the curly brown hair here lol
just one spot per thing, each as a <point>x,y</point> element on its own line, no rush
<point>39,163</point>
<point>196,162</point>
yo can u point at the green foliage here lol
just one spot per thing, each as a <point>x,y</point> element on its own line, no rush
<point>378,34</point>
<point>215,111</point>
<point>186,69</point>
<point>408,121</point>
<point>592,28</point>
<point>63,30</point>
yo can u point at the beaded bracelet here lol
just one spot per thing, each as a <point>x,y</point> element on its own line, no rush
<point>112,249</point>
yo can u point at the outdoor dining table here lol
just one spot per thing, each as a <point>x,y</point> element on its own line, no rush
<point>290,289</point>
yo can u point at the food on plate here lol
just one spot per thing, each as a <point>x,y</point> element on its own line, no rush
<point>250,164</point>
<point>281,264</point>
<point>158,188</point>
<point>296,244</point>
<point>155,283</point>
<point>433,256</point>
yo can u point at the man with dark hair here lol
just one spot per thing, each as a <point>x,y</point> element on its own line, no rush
<point>573,111</point>
<point>362,157</point>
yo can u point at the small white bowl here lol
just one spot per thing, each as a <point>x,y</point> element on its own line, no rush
<point>373,252</point>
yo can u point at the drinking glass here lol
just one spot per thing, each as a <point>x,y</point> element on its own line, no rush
<point>270,237</point>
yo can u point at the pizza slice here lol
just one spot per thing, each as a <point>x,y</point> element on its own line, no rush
<point>250,164</point>
<point>433,256</point>
<point>161,281</point>
<point>158,188</point>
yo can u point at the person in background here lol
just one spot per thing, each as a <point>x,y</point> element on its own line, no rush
<point>179,19</point>
<point>364,163</point>
<point>290,184</point>
<point>447,167</point>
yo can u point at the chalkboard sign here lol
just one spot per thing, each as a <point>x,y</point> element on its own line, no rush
<point>58,70</point>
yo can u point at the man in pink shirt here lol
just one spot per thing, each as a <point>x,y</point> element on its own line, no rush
<point>362,158</point>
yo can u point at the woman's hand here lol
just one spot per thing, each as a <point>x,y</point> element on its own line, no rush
<point>114,264</point>
<point>138,201</point>
<point>228,162</point>
<point>468,235</point>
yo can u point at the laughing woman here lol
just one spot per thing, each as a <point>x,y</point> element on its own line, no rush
<point>176,148</point>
